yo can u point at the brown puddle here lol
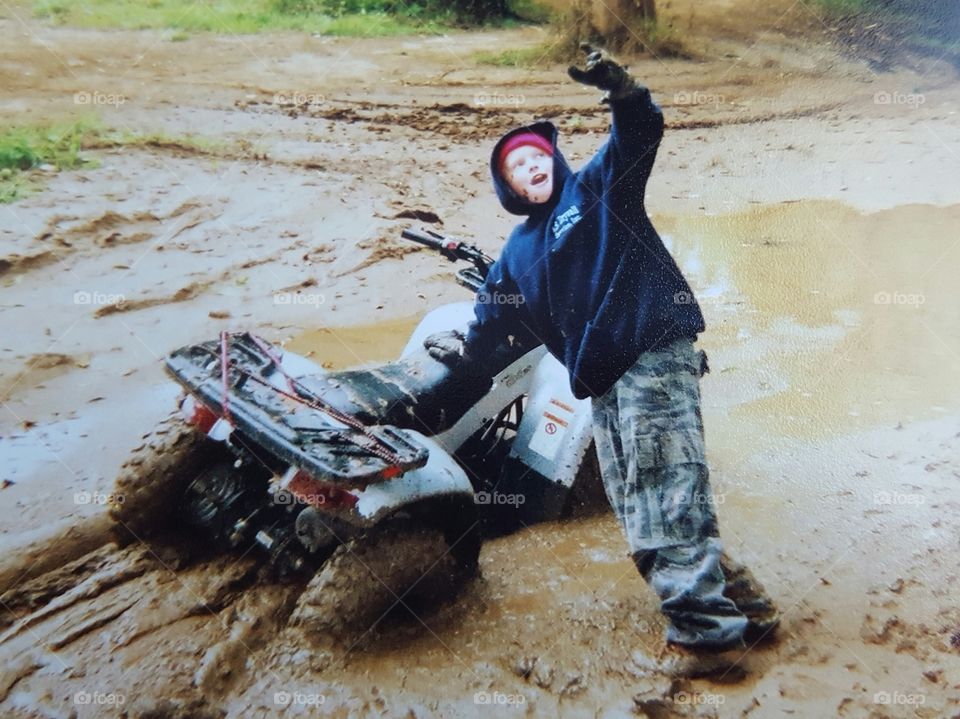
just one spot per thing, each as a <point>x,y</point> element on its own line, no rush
<point>828,318</point>
<point>344,347</point>
<point>820,318</point>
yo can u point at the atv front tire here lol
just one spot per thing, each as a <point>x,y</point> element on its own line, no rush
<point>587,495</point>
<point>152,481</point>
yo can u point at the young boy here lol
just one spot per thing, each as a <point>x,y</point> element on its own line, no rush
<point>603,294</point>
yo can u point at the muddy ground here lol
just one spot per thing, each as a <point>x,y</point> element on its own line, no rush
<point>812,202</point>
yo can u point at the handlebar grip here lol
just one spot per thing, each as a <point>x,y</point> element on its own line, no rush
<point>423,239</point>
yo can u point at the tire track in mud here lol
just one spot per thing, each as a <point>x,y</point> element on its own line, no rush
<point>187,292</point>
<point>471,122</point>
<point>142,601</point>
<point>48,548</point>
<point>220,632</point>
<point>75,235</point>
<point>241,149</point>
<point>211,623</point>
<point>102,621</point>
<point>65,235</point>
<point>214,624</point>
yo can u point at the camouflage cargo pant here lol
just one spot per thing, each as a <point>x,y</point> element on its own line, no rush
<point>649,437</point>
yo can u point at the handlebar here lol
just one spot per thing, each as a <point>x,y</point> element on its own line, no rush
<point>452,248</point>
<point>433,241</point>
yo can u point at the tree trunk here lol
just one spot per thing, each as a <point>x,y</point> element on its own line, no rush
<point>620,22</point>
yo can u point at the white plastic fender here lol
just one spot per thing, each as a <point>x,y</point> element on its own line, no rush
<point>557,428</point>
<point>439,477</point>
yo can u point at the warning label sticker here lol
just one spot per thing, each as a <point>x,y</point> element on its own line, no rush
<point>548,436</point>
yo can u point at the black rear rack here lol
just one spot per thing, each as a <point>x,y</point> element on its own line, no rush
<point>291,425</point>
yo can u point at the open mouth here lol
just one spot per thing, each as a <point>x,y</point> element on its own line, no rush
<point>539,179</point>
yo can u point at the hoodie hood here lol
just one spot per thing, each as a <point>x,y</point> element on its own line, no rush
<point>511,201</point>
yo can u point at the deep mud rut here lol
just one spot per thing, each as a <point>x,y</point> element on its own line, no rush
<point>817,225</point>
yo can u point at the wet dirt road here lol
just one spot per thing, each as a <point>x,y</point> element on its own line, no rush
<point>817,226</point>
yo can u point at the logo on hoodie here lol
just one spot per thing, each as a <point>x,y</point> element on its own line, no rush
<point>564,221</point>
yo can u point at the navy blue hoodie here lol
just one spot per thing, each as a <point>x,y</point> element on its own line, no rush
<point>586,273</point>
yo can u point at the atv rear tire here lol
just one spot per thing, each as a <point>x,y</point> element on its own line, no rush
<point>397,563</point>
<point>152,481</point>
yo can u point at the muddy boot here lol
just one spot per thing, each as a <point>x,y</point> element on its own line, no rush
<point>751,599</point>
<point>690,584</point>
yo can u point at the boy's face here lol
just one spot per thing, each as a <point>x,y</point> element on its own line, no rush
<point>529,172</point>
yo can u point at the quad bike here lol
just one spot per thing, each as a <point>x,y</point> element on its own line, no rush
<point>379,483</point>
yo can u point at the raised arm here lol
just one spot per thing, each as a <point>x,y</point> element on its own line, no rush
<point>637,120</point>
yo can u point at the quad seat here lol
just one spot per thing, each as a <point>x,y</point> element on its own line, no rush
<point>416,392</point>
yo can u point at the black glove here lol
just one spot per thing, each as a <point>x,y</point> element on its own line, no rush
<point>603,72</point>
<point>447,347</point>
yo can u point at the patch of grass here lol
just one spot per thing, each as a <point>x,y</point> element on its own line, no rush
<point>12,186</point>
<point>380,25</point>
<point>354,18</point>
<point>531,11</point>
<point>365,18</point>
<point>27,148</point>
<point>64,146</point>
